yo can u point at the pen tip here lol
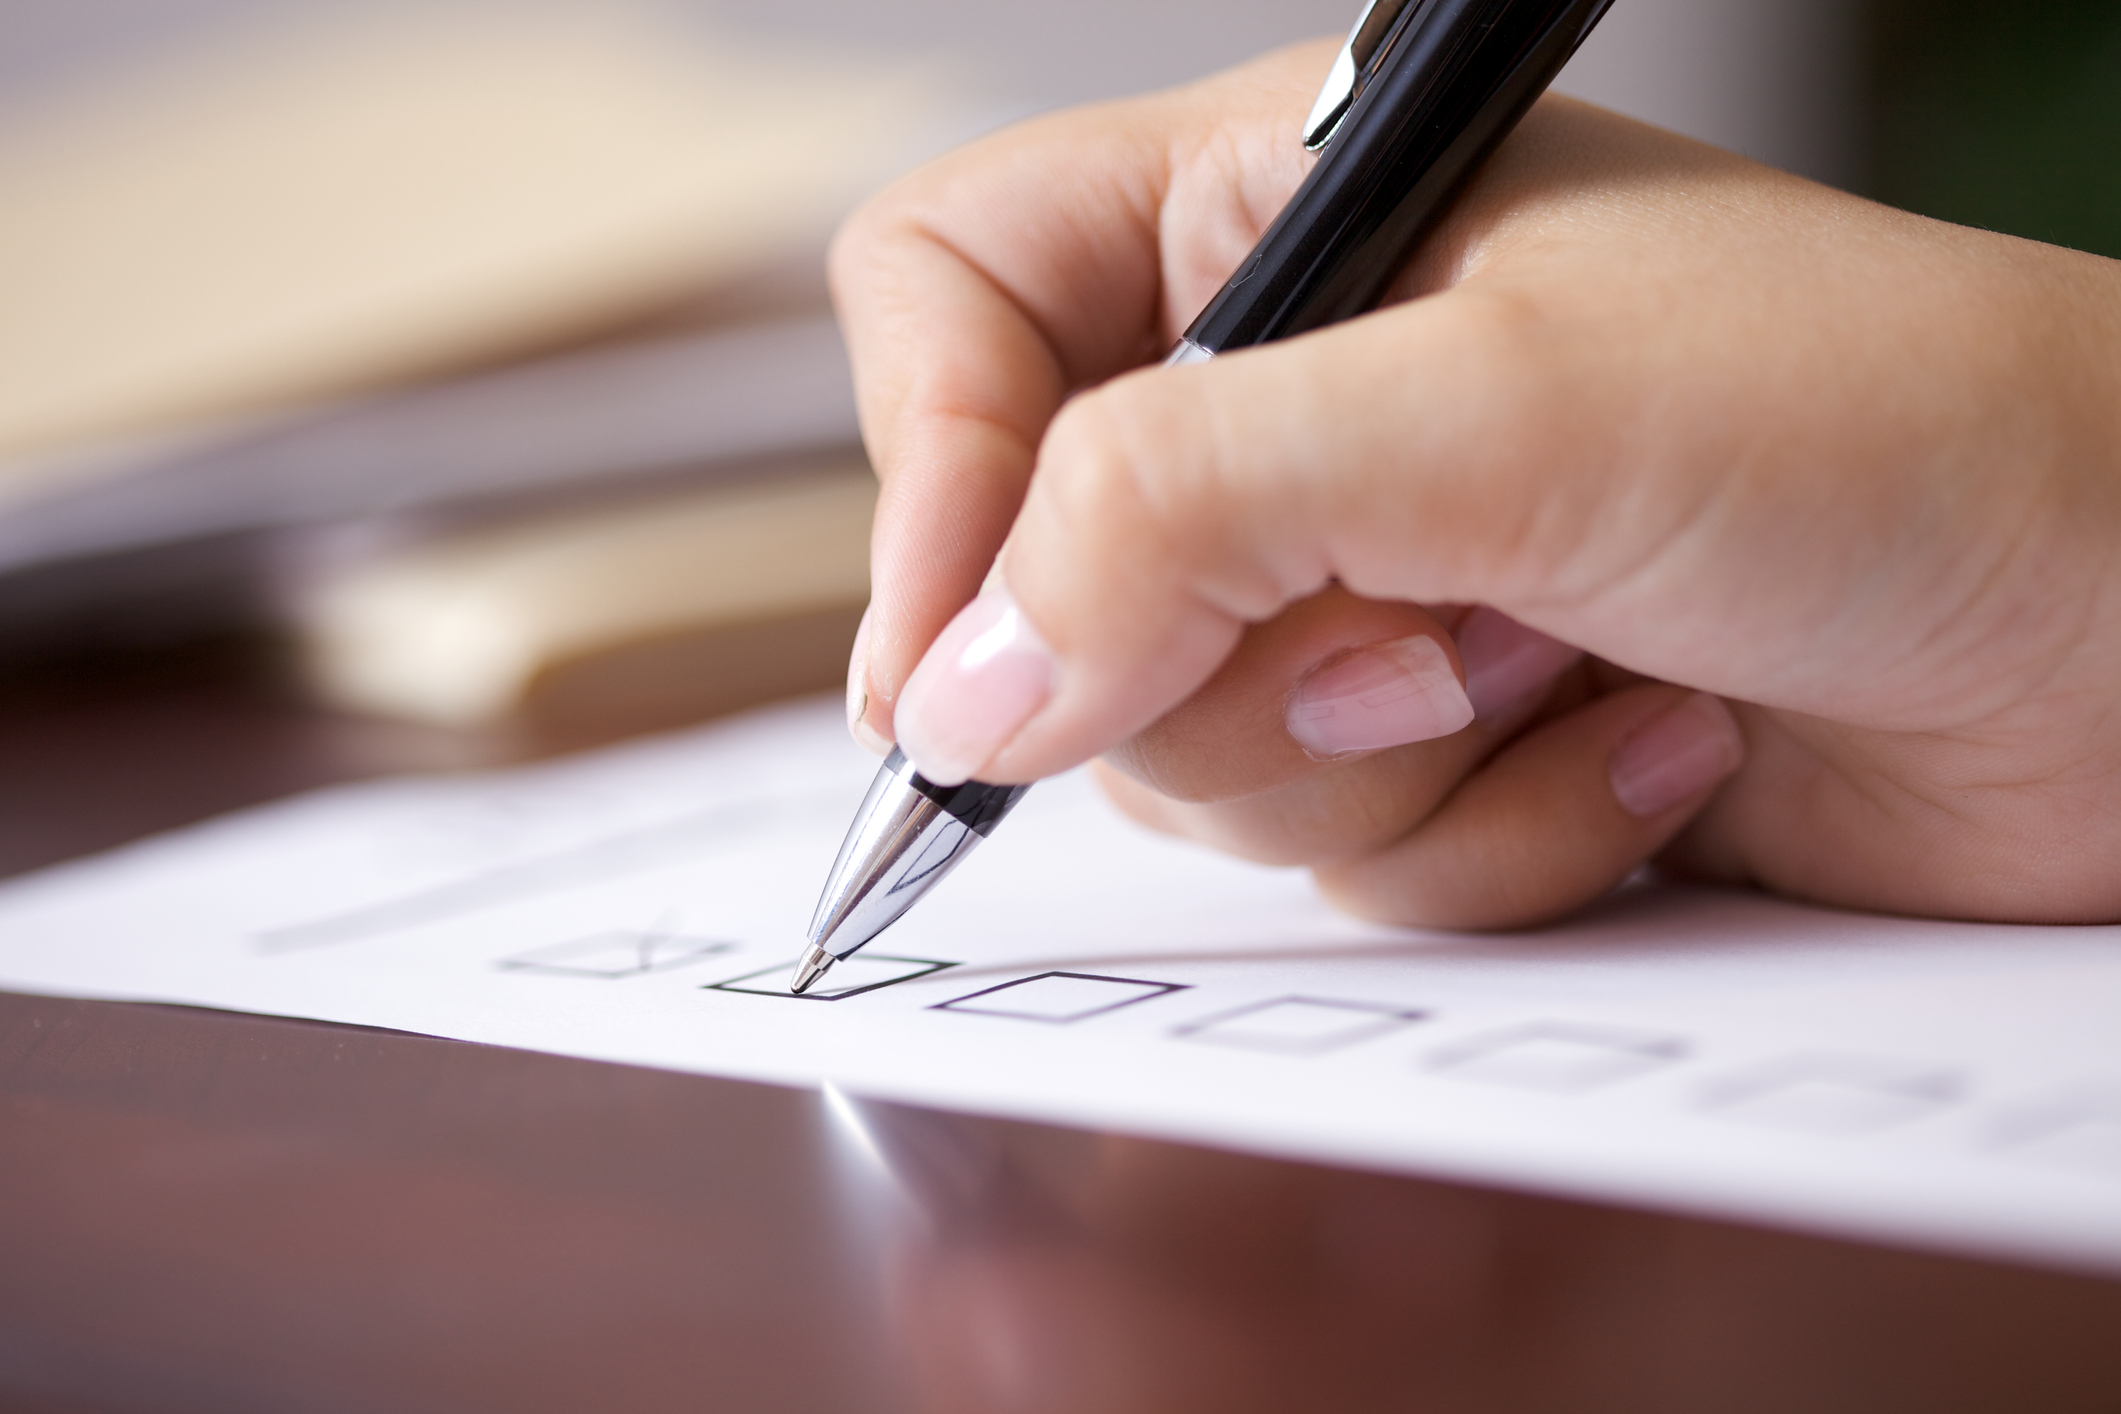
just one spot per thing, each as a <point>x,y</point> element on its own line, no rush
<point>814,965</point>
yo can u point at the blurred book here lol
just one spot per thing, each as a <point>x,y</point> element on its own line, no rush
<point>311,306</point>
<point>646,613</point>
<point>197,534</point>
<point>330,210</point>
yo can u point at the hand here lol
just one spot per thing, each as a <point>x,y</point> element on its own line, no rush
<point>1829,494</point>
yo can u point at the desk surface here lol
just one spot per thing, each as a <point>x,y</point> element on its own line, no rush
<point>226,1213</point>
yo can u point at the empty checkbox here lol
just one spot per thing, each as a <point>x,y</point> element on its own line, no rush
<point>1834,1096</point>
<point>2076,1131</point>
<point>615,954</point>
<point>1558,1057</point>
<point>1060,997</point>
<point>1299,1026</point>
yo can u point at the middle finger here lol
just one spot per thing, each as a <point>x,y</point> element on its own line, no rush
<point>1247,764</point>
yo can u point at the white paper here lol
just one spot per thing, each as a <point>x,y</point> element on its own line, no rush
<point>1944,1085</point>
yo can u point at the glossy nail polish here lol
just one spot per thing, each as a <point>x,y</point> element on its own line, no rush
<point>980,682</point>
<point>1676,755</point>
<point>1389,694</point>
<point>1508,667</point>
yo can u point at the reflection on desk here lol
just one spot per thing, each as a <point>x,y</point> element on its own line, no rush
<point>202,1211</point>
<point>212,1212</point>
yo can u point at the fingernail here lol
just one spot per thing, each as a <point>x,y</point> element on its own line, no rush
<point>1386,695</point>
<point>1508,666</point>
<point>985,677</point>
<point>858,692</point>
<point>1676,755</point>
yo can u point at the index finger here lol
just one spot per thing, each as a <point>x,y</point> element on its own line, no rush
<point>977,294</point>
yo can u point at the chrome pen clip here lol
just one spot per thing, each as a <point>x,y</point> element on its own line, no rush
<point>1353,69</point>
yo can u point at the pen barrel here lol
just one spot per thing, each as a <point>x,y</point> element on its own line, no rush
<point>906,838</point>
<point>975,804</point>
<point>1457,79</point>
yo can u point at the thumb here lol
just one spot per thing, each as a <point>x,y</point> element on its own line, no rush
<point>1408,456</point>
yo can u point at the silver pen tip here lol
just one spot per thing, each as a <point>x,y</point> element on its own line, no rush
<point>815,964</point>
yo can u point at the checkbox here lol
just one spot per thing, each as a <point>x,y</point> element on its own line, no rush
<point>616,954</point>
<point>1060,997</point>
<point>1834,1096</point>
<point>1558,1057</point>
<point>850,977</point>
<point>2073,1130</point>
<point>1299,1026</point>
<point>2088,1144</point>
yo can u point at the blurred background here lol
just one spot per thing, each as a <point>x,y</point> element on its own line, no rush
<point>461,377</point>
<point>409,386</point>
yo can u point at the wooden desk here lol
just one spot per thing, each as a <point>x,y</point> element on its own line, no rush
<point>213,1212</point>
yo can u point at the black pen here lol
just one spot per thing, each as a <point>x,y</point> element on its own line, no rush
<point>1419,96</point>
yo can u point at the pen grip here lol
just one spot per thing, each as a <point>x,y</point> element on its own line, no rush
<point>1459,77</point>
<point>976,805</point>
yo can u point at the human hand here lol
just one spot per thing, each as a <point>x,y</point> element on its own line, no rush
<point>1739,438</point>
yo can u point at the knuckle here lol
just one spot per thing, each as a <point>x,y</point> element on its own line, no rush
<point>1135,466</point>
<point>1506,340</point>
<point>877,234</point>
<point>847,258</point>
<point>1092,470</point>
<point>868,229</point>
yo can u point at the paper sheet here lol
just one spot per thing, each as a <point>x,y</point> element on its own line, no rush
<point>1950,1086</point>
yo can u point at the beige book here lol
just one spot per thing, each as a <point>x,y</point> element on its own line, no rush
<point>655,611</point>
<point>330,210</point>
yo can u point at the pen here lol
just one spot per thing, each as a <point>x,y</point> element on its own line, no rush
<point>1422,92</point>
